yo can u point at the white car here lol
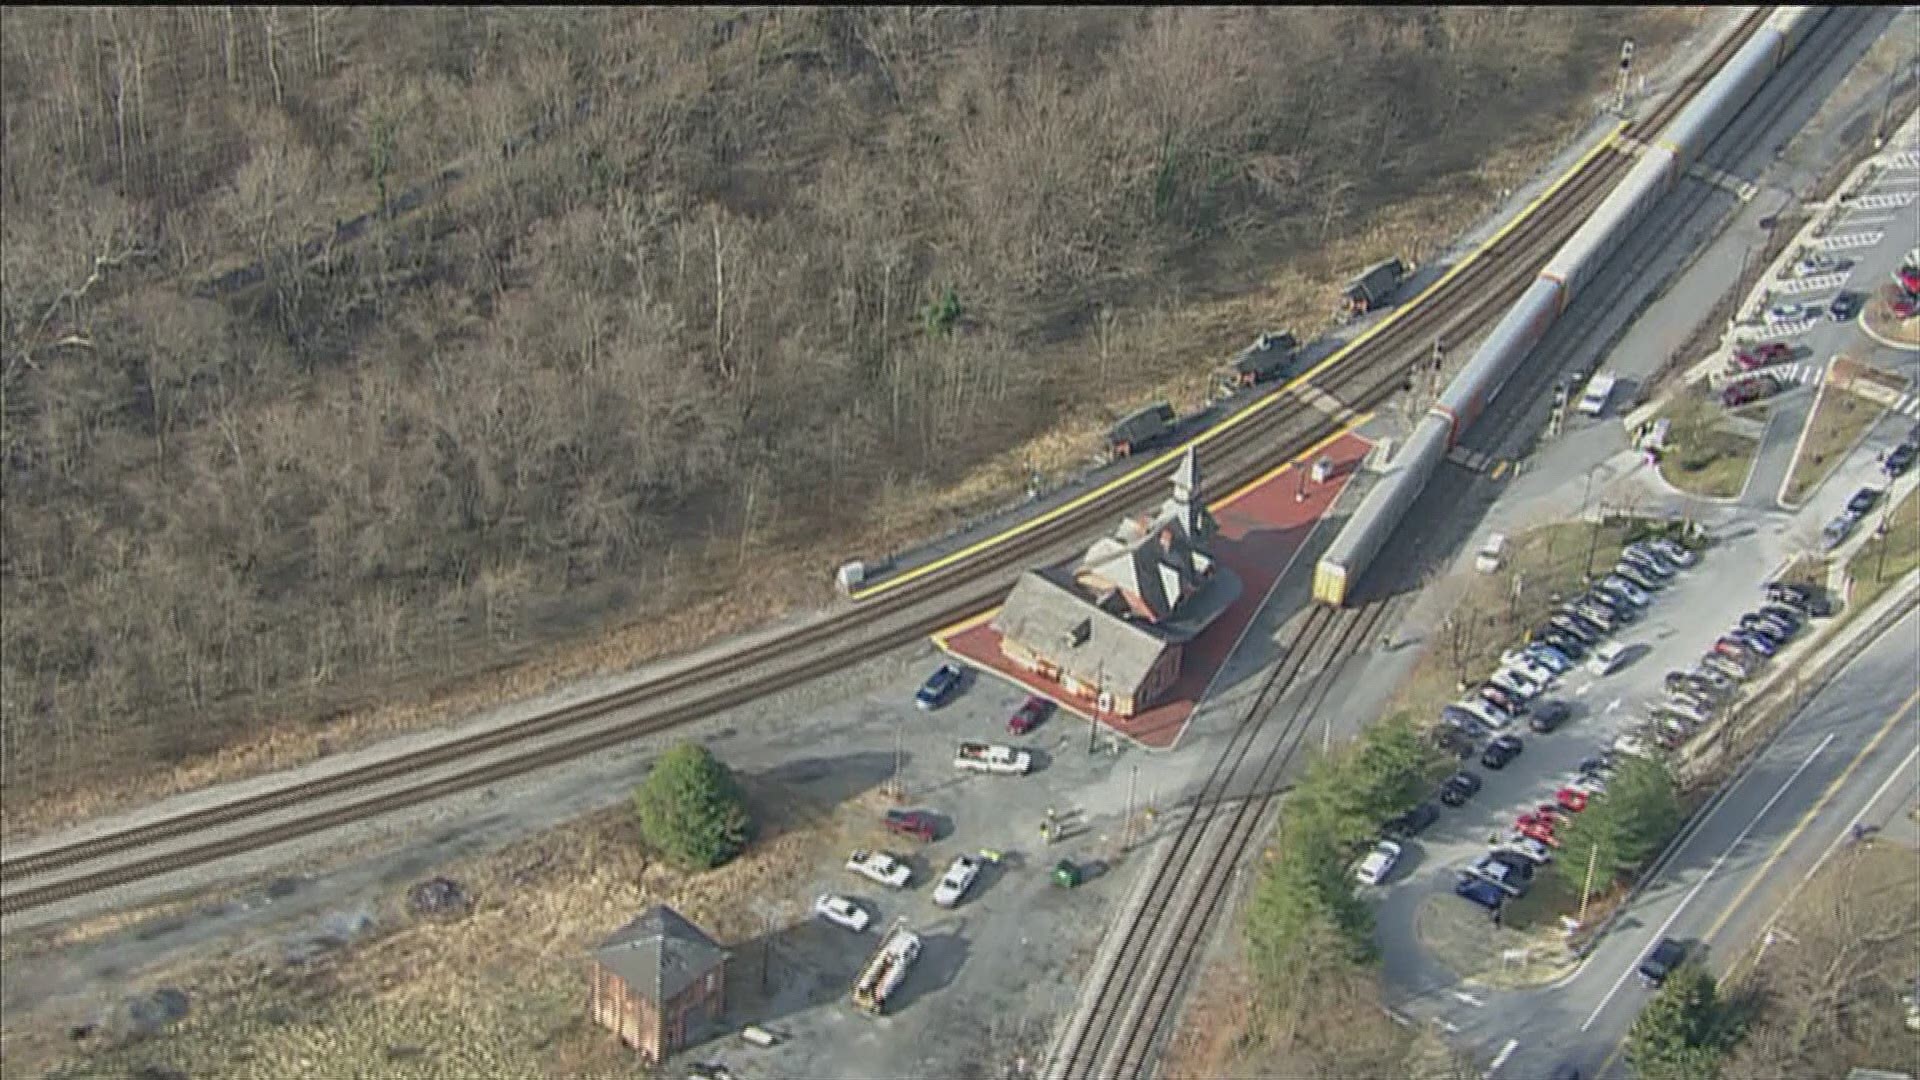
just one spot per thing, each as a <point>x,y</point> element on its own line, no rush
<point>1530,849</point>
<point>841,911</point>
<point>1552,660</point>
<point>1517,682</point>
<point>960,877</point>
<point>1485,713</point>
<point>1535,671</point>
<point>1789,313</point>
<point>1378,864</point>
<point>1820,264</point>
<point>880,867</point>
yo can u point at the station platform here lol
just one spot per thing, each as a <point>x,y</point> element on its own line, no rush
<point>1262,527</point>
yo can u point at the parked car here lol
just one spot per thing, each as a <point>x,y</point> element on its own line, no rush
<point>1490,718</point>
<point>1790,312</point>
<point>1484,893</point>
<point>1593,630</point>
<point>1459,787</point>
<point>1766,628</point>
<point>841,911</point>
<point>1552,637</point>
<point>1502,701</point>
<point>1550,658</point>
<point>1500,751</point>
<point>1759,643</point>
<point>1846,304</point>
<point>1790,593</point>
<point>939,687</point>
<point>1647,550</point>
<point>1836,531</point>
<point>1647,563</point>
<point>1528,665</point>
<point>1620,586</point>
<point>1755,357</point>
<point>1748,390</point>
<point>1732,669</point>
<point>1571,798</point>
<point>1502,874</point>
<point>1532,850</point>
<point>1820,264</point>
<point>960,876</point>
<point>1459,742</point>
<point>1861,502</point>
<point>1548,715</point>
<point>1413,822</point>
<point>1619,607</point>
<point>1598,765</point>
<point>1666,956</point>
<point>1536,827</point>
<point>1779,628</point>
<point>1515,684</point>
<point>1899,459</point>
<point>1607,658</point>
<point>915,823</point>
<point>1378,864</point>
<point>1573,628</point>
<point>1646,583</point>
<point>880,867</point>
<point>1031,714</point>
<point>1676,552</point>
<point>1783,614</point>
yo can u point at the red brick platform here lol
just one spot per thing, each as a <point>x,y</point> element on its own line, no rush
<point>1262,527</point>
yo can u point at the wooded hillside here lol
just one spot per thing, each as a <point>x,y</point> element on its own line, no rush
<point>640,286</point>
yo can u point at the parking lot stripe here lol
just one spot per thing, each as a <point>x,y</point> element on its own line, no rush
<point>1708,876</point>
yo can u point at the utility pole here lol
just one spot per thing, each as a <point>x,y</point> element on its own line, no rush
<point>1126,832</point>
<point>1586,887</point>
<point>1880,537</point>
<point>1513,598</point>
<point>899,754</point>
<point>1099,695</point>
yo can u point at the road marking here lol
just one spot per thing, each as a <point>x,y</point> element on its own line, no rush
<point>1500,1058</point>
<point>1263,404</point>
<point>1468,999</point>
<point>1807,819</point>
<point>1812,283</point>
<point>1850,241</point>
<point>1892,201</point>
<point>1875,219</point>
<point>1708,876</point>
<point>1614,705</point>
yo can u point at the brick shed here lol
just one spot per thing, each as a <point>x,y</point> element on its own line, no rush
<point>658,983</point>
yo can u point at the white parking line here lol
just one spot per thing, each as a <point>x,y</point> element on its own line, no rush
<point>1708,876</point>
<point>1812,283</point>
<point>1890,201</point>
<point>1500,1058</point>
<point>1849,241</point>
<point>1852,222</point>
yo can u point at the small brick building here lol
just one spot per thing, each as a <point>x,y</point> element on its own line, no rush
<point>658,983</point>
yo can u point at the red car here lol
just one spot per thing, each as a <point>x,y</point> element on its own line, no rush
<point>1748,390</point>
<point>1030,714</point>
<point>1908,278</point>
<point>1571,799</point>
<point>1902,302</point>
<point>1534,827</point>
<point>1759,356</point>
<point>915,823</point>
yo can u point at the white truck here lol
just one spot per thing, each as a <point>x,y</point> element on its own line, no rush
<point>887,969</point>
<point>881,867</point>
<point>1599,392</point>
<point>987,757</point>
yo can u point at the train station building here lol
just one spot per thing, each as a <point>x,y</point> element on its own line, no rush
<point>1113,627</point>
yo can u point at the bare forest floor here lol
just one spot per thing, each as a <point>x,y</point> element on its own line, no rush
<point>642,382</point>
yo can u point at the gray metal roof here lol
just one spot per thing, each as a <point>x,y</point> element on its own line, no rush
<point>1050,617</point>
<point>659,954</point>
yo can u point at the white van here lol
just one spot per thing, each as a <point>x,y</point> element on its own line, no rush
<point>1599,392</point>
<point>1606,657</point>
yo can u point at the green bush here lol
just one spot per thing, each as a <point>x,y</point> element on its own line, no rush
<point>691,810</point>
<point>1683,1032</point>
<point>1623,827</point>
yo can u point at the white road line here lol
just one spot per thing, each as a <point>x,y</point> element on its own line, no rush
<point>1812,283</point>
<point>1468,999</point>
<point>1708,876</point>
<point>1850,241</point>
<point>1500,1058</point>
<point>1882,790</point>
<point>1873,219</point>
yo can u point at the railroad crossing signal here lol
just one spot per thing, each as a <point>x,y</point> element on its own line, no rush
<point>1626,66</point>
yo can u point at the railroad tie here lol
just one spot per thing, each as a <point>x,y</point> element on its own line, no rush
<point>1341,412</point>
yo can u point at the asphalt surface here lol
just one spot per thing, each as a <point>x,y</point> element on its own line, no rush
<point>1726,878</point>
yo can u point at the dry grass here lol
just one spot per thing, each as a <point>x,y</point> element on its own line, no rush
<point>1839,421</point>
<point>1702,458</point>
<point>1462,937</point>
<point>497,993</point>
<point>1220,1032</point>
<point>1887,558</point>
<point>1880,319</point>
<point>1193,337</point>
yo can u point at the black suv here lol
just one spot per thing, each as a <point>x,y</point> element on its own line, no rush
<point>1414,821</point>
<point>1500,751</point>
<point>1548,715</point>
<point>1845,306</point>
<point>1899,459</point>
<point>1661,961</point>
<point>1459,787</point>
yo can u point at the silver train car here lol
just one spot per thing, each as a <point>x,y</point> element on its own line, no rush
<point>1565,276</point>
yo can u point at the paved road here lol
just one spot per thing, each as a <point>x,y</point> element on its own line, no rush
<point>1854,743</point>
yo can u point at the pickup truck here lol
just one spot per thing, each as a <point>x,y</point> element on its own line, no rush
<point>986,757</point>
<point>915,823</point>
<point>880,867</point>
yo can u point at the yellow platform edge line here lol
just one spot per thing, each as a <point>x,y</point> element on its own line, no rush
<point>1259,406</point>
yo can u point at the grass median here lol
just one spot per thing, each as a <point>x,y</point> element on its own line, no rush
<point>1888,556</point>
<point>1703,456</point>
<point>1838,422</point>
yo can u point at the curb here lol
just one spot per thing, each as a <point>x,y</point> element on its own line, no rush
<point>1866,328</point>
<point>1800,445</point>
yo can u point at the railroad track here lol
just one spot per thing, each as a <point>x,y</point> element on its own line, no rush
<point>1360,377</point>
<point>1118,1033</point>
